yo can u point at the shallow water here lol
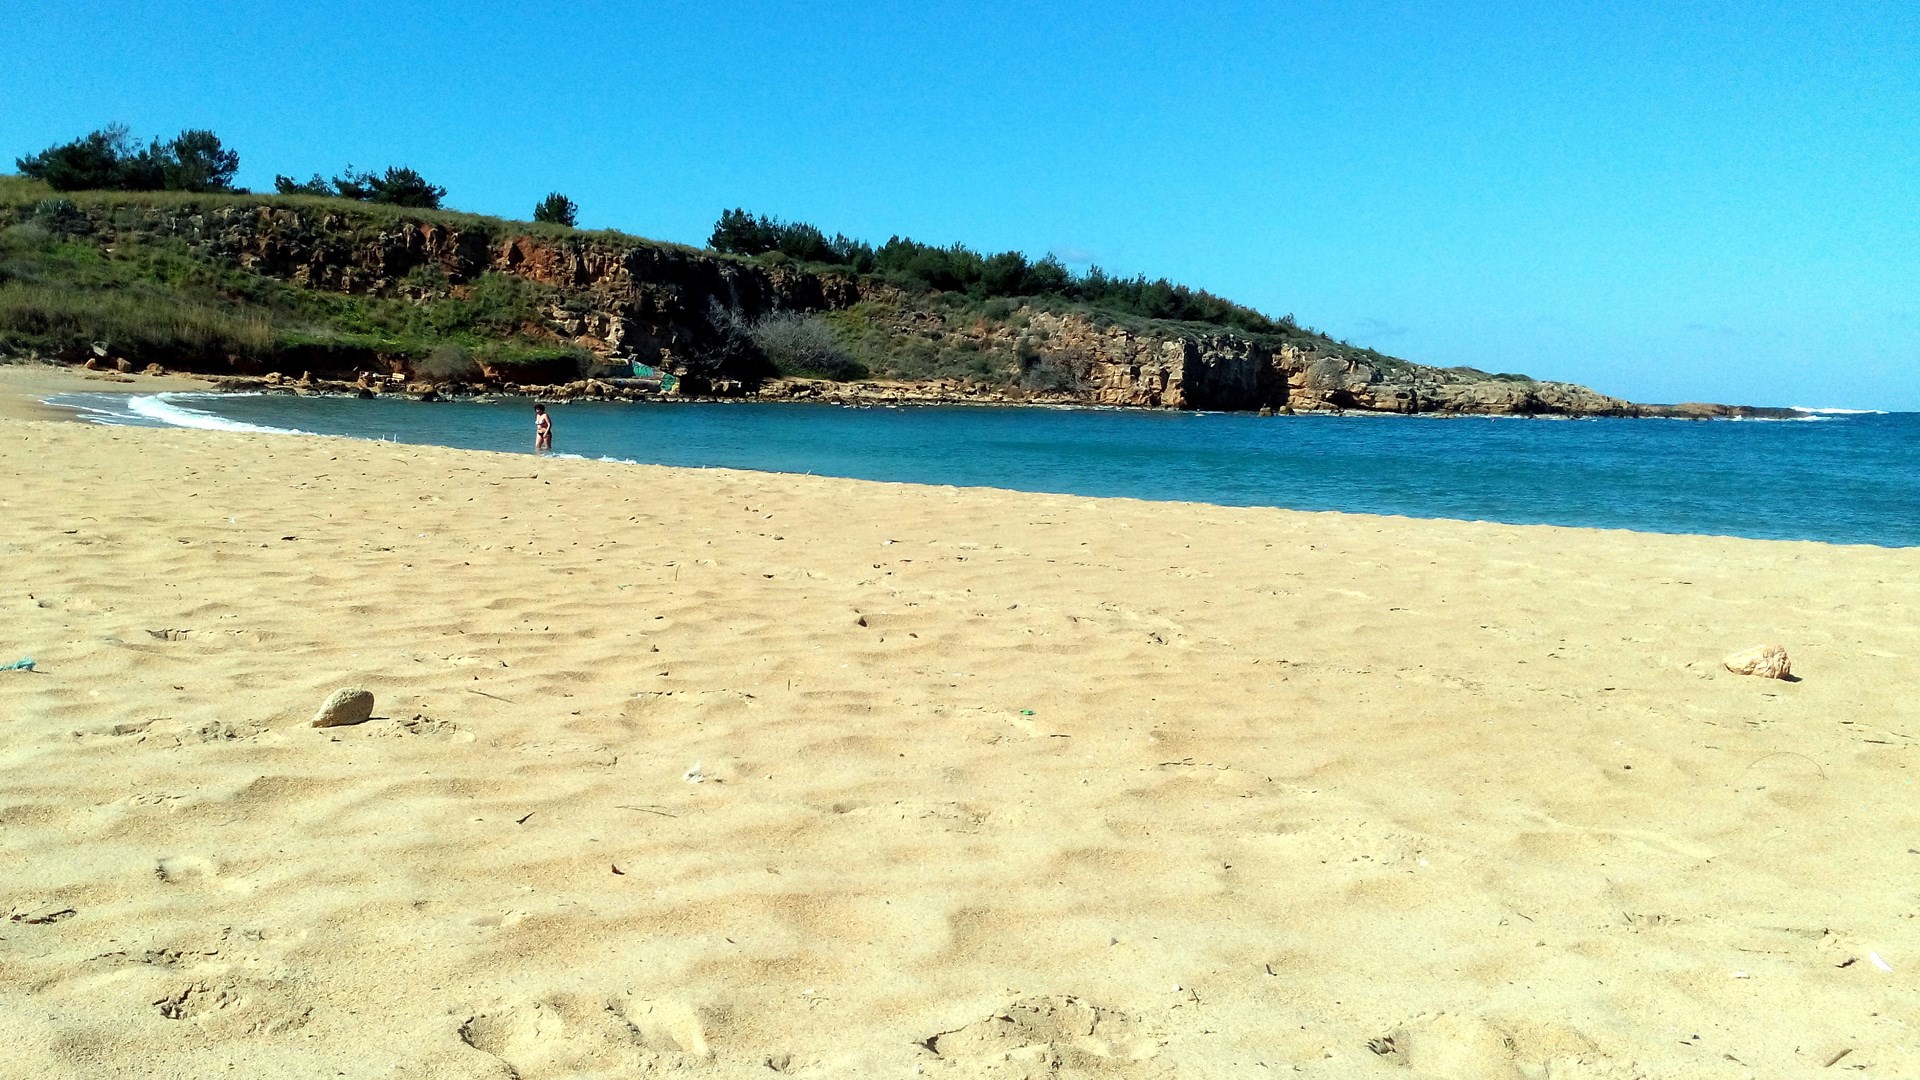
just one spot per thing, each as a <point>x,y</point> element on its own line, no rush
<point>1840,478</point>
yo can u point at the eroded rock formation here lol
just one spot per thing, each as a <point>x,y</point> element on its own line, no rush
<point>681,310</point>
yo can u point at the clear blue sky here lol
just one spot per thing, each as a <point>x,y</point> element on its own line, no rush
<point>1664,201</point>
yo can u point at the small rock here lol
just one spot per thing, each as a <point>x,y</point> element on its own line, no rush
<point>154,369</point>
<point>1766,661</point>
<point>345,706</point>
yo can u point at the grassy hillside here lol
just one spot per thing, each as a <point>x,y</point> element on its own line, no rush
<point>156,299</point>
<point>71,279</point>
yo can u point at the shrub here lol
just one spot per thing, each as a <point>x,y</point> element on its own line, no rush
<point>287,185</point>
<point>448,363</point>
<point>1051,372</point>
<point>110,159</point>
<point>394,187</point>
<point>804,345</point>
<point>103,159</point>
<point>740,233</point>
<point>557,209</point>
<point>60,217</point>
<point>398,186</point>
<point>195,161</point>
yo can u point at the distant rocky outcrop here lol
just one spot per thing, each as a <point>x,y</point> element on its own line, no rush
<point>681,311</point>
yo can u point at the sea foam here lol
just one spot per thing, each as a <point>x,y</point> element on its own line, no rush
<point>168,409</point>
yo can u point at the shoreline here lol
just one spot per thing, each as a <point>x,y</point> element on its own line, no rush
<point>702,769</point>
<point>858,394</point>
<point>22,388</point>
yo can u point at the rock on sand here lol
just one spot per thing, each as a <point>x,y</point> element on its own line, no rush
<point>347,705</point>
<point>1766,661</point>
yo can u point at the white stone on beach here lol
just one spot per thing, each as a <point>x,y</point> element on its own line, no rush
<point>1766,661</point>
<point>345,706</point>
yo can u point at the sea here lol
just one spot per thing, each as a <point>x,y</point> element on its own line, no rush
<point>1829,475</point>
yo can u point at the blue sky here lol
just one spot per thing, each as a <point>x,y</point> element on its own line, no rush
<point>1663,201</point>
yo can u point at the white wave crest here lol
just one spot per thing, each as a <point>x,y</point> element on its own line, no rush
<point>1838,412</point>
<point>169,409</point>
<point>91,413</point>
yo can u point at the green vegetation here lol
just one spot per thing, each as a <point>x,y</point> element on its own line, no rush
<point>975,295</point>
<point>155,299</point>
<point>112,160</point>
<point>105,246</point>
<point>395,187</point>
<point>919,267</point>
<point>557,209</point>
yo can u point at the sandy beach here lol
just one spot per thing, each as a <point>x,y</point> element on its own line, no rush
<point>714,773</point>
<point>23,386</point>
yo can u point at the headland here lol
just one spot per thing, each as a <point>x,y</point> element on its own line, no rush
<point>344,296</point>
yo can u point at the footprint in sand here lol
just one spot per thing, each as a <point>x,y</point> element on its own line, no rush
<point>580,1035</point>
<point>233,1008</point>
<point>1060,1027</point>
<point>1448,1046</point>
<point>185,869</point>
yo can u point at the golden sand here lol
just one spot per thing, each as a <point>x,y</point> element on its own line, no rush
<point>714,773</point>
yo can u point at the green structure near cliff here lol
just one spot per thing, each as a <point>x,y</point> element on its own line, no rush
<point>381,295</point>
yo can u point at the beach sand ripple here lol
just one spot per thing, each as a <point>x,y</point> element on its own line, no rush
<point>711,773</point>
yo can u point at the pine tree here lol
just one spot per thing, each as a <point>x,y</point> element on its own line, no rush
<point>557,209</point>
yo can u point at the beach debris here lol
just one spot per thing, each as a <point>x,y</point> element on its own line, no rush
<point>345,706</point>
<point>1766,661</point>
<point>25,663</point>
<point>1835,1059</point>
<point>694,775</point>
<point>1874,959</point>
<point>42,915</point>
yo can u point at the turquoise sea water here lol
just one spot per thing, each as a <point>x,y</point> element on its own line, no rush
<point>1829,477</point>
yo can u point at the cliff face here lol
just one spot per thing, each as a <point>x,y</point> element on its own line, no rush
<point>684,311</point>
<point>656,304</point>
<point>1230,372</point>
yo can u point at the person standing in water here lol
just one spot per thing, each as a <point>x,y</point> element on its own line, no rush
<point>542,430</point>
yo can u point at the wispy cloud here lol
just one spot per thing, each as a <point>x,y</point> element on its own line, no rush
<point>1072,256</point>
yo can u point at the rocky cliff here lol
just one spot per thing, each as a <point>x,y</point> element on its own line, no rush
<point>623,300</point>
